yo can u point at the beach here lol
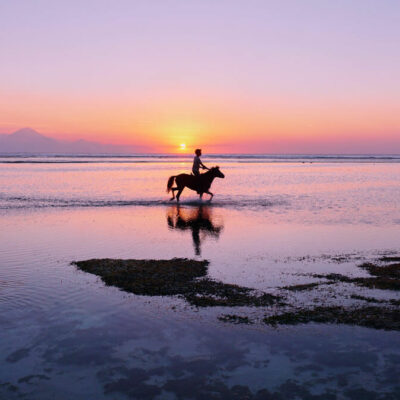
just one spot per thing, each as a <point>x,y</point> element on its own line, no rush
<point>301,230</point>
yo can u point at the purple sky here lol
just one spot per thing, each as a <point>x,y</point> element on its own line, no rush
<point>243,74</point>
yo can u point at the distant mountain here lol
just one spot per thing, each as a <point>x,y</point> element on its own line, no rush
<point>28,140</point>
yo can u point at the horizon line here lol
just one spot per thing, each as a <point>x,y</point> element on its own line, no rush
<point>136,154</point>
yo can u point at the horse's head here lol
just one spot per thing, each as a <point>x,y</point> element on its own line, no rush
<point>216,172</point>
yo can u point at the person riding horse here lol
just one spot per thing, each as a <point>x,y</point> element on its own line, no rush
<point>200,183</point>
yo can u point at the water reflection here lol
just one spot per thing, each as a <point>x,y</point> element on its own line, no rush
<point>198,220</point>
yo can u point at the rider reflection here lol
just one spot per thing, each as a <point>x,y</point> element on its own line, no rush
<point>198,220</point>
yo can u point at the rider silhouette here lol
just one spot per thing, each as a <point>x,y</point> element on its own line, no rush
<point>197,163</point>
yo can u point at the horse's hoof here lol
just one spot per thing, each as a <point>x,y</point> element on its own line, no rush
<point>172,198</point>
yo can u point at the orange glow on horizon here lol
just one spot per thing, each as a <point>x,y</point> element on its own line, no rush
<point>213,123</point>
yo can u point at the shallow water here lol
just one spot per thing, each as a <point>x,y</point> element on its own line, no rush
<point>66,335</point>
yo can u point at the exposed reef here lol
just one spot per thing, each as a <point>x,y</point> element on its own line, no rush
<point>385,277</point>
<point>374,300</point>
<point>176,277</point>
<point>188,280</point>
<point>372,317</point>
<point>236,319</point>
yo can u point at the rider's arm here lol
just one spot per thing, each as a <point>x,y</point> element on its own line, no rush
<point>203,166</point>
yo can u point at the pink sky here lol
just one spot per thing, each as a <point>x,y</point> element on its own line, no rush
<point>229,76</point>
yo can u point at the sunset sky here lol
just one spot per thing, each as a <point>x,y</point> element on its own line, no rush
<point>306,76</point>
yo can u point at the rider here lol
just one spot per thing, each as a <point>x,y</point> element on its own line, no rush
<point>197,163</point>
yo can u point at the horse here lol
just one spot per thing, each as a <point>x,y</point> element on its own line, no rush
<point>198,220</point>
<point>200,183</point>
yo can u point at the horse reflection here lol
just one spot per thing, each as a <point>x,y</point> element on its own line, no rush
<point>198,220</point>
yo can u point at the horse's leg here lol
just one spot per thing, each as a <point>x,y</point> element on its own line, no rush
<point>180,189</point>
<point>173,193</point>
<point>201,196</point>
<point>211,194</point>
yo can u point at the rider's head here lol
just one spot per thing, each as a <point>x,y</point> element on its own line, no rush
<point>197,152</point>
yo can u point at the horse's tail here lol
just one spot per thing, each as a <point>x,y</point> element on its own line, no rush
<point>170,183</point>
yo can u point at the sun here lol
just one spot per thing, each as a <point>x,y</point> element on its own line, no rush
<point>182,146</point>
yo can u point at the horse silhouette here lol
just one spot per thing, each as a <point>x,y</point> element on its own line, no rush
<point>200,183</point>
<point>198,221</point>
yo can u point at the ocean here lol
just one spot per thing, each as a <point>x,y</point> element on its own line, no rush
<point>275,221</point>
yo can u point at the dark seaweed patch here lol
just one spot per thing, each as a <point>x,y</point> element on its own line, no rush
<point>236,319</point>
<point>385,277</point>
<point>179,276</point>
<point>305,286</point>
<point>387,271</point>
<point>367,299</point>
<point>372,317</point>
<point>188,279</point>
<point>374,300</point>
<point>389,259</point>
